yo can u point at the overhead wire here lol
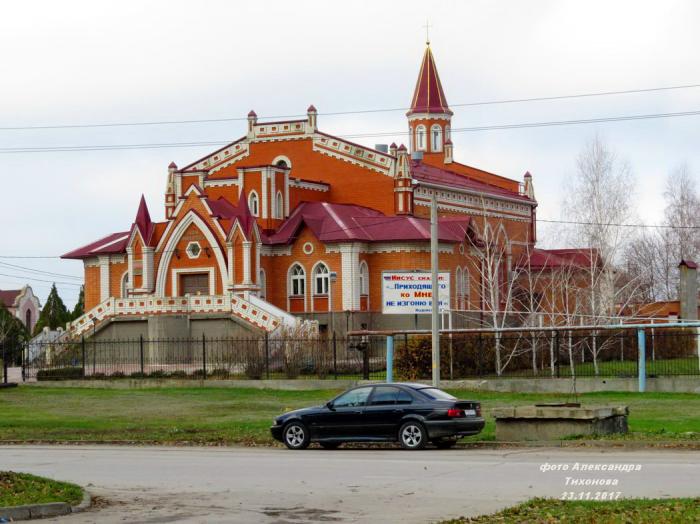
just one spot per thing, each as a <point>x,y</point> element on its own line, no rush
<point>520,125</point>
<point>350,112</point>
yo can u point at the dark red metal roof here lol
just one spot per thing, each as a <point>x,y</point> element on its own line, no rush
<point>428,96</point>
<point>435,175</point>
<point>143,222</point>
<point>8,296</point>
<point>348,222</point>
<point>111,244</point>
<point>689,264</point>
<point>557,258</point>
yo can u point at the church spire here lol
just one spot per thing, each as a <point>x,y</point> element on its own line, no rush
<point>429,117</point>
<point>428,96</point>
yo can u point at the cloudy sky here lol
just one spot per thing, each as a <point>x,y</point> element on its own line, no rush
<point>92,62</point>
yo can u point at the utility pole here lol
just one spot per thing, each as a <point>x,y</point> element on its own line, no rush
<point>434,261</point>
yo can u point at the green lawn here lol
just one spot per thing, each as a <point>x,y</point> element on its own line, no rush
<point>243,416</point>
<point>637,511</point>
<point>18,489</point>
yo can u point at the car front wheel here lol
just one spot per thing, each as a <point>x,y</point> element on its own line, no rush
<point>296,436</point>
<point>412,435</point>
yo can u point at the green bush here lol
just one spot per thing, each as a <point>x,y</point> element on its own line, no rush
<point>220,373</point>
<point>198,373</point>
<point>65,373</point>
<point>178,374</point>
<point>158,373</point>
<point>137,374</point>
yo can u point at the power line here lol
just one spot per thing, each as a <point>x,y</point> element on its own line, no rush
<point>391,220</point>
<point>521,125</point>
<point>602,224</point>
<point>39,271</point>
<point>355,112</point>
<point>20,277</point>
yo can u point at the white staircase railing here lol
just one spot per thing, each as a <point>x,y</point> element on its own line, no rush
<point>258,312</point>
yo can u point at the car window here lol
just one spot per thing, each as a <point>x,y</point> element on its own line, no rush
<point>353,398</point>
<point>436,394</point>
<point>384,396</point>
<point>389,395</point>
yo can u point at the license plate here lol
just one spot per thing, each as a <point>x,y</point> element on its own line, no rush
<point>469,412</point>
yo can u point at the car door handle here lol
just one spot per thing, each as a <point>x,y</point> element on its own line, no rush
<point>398,411</point>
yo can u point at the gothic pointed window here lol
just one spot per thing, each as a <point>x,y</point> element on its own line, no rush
<point>297,281</point>
<point>279,205</point>
<point>321,279</point>
<point>364,278</point>
<point>253,203</point>
<point>448,132</point>
<point>261,283</point>
<point>420,138</point>
<point>436,137</point>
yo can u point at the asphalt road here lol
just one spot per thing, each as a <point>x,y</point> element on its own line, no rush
<point>151,485</point>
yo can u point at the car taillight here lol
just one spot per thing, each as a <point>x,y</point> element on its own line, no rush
<point>455,412</point>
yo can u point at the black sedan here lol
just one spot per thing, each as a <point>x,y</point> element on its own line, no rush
<point>413,414</point>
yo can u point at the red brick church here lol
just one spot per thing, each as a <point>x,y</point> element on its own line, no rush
<point>290,221</point>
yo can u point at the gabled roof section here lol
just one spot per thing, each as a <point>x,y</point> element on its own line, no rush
<point>428,96</point>
<point>352,223</point>
<point>109,245</point>
<point>143,222</point>
<point>8,297</point>
<point>429,174</point>
<point>549,259</point>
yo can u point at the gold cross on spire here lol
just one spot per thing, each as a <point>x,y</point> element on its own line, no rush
<point>427,32</point>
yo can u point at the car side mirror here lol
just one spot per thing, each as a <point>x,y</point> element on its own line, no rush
<point>329,405</point>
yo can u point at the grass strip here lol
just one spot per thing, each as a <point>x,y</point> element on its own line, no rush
<point>545,511</point>
<point>19,489</point>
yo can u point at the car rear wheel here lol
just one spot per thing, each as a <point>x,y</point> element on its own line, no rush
<point>445,443</point>
<point>330,445</point>
<point>296,436</point>
<point>412,435</point>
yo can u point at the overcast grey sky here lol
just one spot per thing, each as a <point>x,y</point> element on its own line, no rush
<point>94,62</point>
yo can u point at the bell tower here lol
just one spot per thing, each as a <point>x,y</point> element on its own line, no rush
<point>430,117</point>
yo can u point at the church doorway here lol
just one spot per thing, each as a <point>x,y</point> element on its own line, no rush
<point>194,284</point>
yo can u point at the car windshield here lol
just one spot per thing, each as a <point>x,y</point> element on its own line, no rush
<point>436,394</point>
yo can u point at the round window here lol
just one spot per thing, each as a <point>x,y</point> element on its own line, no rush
<point>308,248</point>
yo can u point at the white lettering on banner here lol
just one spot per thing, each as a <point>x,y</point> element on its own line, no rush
<point>410,293</point>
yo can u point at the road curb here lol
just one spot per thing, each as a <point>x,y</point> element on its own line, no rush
<point>490,444</point>
<point>41,511</point>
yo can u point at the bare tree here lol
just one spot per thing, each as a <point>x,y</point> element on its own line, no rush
<point>654,255</point>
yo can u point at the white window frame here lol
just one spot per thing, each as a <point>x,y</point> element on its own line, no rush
<point>436,137</point>
<point>254,203</point>
<point>295,277</point>
<point>279,205</point>
<point>421,138</point>
<point>364,279</point>
<point>321,277</point>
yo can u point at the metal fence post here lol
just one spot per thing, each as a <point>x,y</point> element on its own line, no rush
<point>335,356</point>
<point>82,350</point>
<point>642,366</point>
<point>204,357</point>
<point>556,352</point>
<point>4,363</point>
<point>141,353</point>
<point>365,362</point>
<point>267,355</point>
<point>390,358</point>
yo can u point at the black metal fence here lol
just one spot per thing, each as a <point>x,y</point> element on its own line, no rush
<point>542,353</point>
<point>538,353</point>
<point>207,358</point>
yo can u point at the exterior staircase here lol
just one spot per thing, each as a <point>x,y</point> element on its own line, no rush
<point>254,311</point>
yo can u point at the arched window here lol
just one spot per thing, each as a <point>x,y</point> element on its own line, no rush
<point>458,287</point>
<point>125,284</point>
<point>321,279</point>
<point>465,288</point>
<point>261,283</point>
<point>448,133</point>
<point>436,137</point>
<point>253,203</point>
<point>297,284</point>
<point>281,163</point>
<point>364,278</point>
<point>420,138</point>
<point>28,320</point>
<point>279,204</point>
